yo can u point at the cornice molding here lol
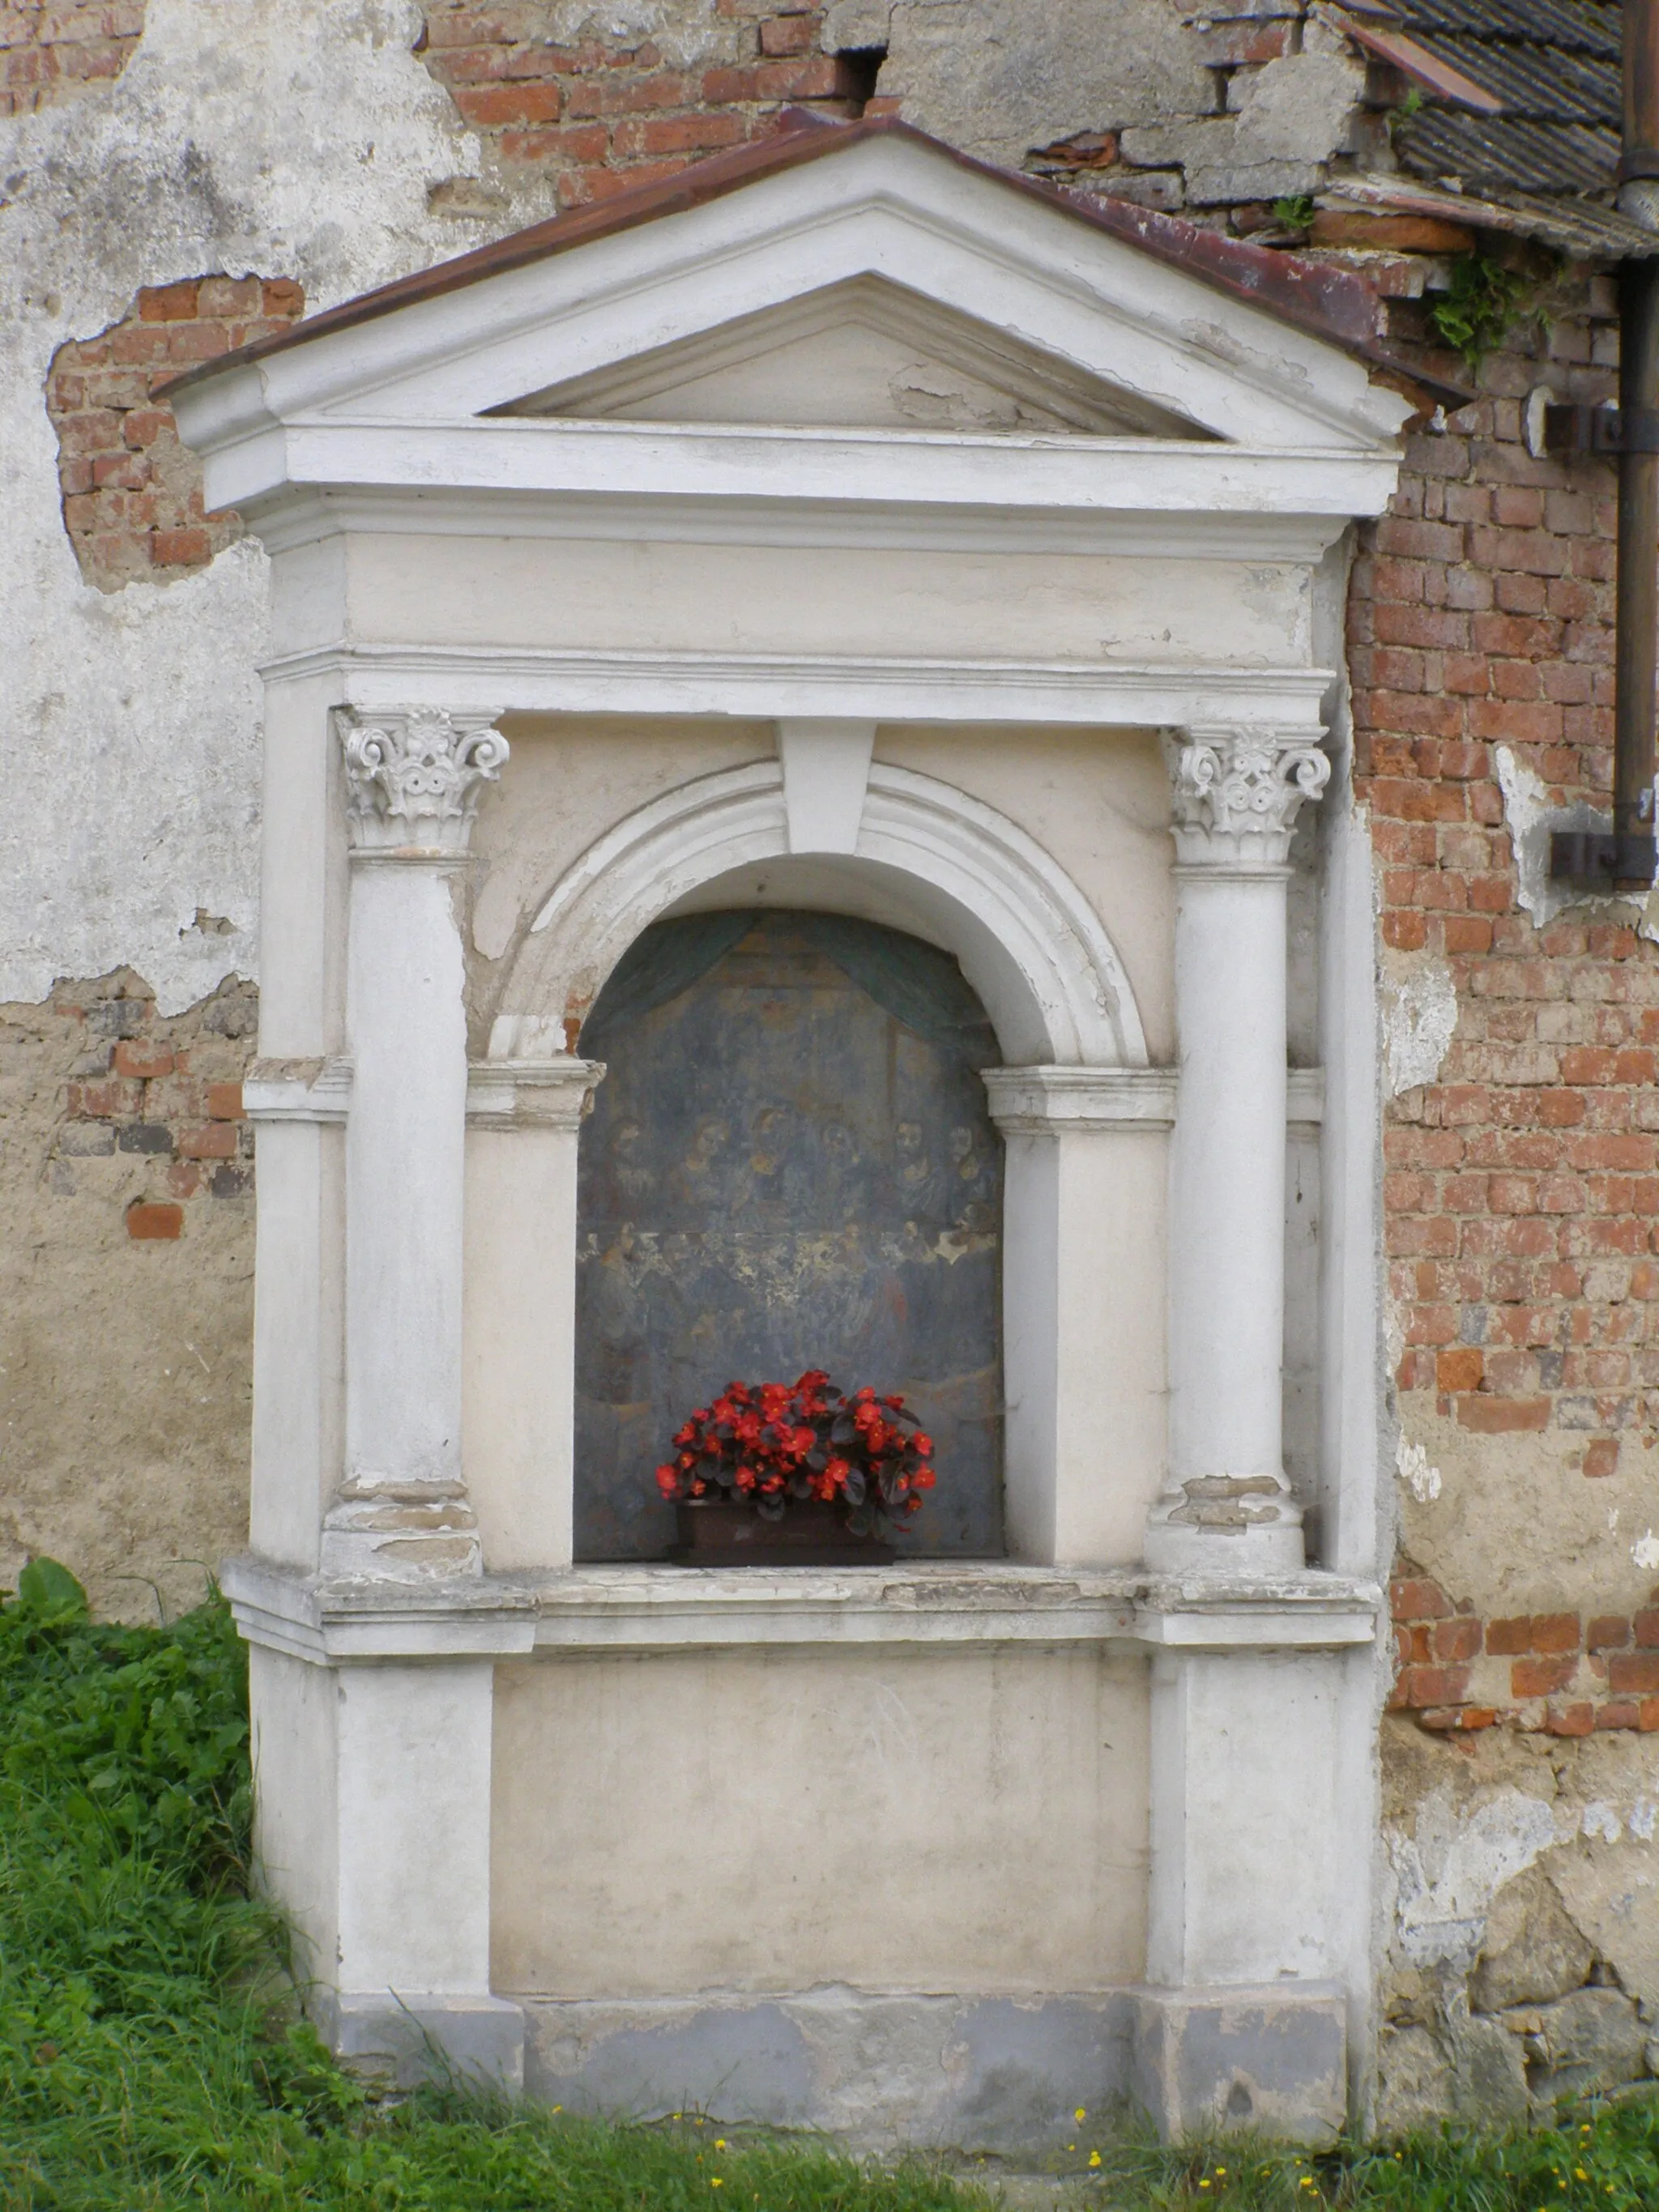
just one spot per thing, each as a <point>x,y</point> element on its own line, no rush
<point>530,1094</point>
<point>298,1090</point>
<point>484,681</point>
<point>1043,1101</point>
<point>910,1604</point>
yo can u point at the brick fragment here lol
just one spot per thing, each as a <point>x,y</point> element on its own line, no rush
<point>1419,1599</point>
<point>1576,1719</point>
<point>1510,1638</point>
<point>149,1219</point>
<point>142,1060</point>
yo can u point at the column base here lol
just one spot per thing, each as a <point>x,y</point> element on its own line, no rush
<point>1273,2059</point>
<point>409,2037</point>
<point>1225,1525</point>
<point>401,1531</point>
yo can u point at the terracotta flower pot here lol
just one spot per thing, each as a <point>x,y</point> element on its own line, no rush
<point>720,1532</point>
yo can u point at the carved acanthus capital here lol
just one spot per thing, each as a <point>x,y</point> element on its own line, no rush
<point>414,776</point>
<point>1238,791</point>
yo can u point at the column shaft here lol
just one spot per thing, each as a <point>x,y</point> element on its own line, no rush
<point>1225,1507</point>
<point>406,1161</point>
<point>1227,1180</point>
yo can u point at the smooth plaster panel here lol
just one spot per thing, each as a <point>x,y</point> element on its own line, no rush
<point>295,1710</point>
<point>1099,800</point>
<point>599,594</point>
<point>569,779</point>
<point>760,1821</point>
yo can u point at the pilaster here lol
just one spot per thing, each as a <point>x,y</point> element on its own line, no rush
<point>1083,1333</point>
<point>524,1120</point>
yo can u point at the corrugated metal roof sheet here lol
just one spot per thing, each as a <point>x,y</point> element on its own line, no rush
<point>1554,147</point>
<point>1568,26</point>
<point>1494,153</point>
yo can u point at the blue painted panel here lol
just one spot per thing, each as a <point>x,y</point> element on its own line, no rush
<point>780,1173</point>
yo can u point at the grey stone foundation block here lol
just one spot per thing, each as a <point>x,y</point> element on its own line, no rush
<point>1274,2058</point>
<point>994,2074</point>
<point>413,2037</point>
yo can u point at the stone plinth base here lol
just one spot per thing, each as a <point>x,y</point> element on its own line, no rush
<point>1272,2058</point>
<point>411,2038</point>
<point>1002,2074</point>
<point>879,2072</point>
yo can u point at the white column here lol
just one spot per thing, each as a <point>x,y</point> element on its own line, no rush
<point>414,781</point>
<point>1083,1312</point>
<point>1226,1507</point>
<point>524,1120</point>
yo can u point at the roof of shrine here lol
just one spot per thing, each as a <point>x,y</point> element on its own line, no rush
<point>1336,304</point>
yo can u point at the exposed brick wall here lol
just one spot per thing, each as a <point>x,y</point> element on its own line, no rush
<point>601,116</point>
<point>1559,1674</point>
<point>137,1089</point>
<point>1521,1186</point>
<point>53,53</point>
<point>132,492</point>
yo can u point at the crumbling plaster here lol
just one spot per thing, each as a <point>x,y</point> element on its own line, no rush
<point>298,140</point>
<point>125,1365</point>
<point>999,77</point>
<point>1562,1534</point>
<point>1519,1922</point>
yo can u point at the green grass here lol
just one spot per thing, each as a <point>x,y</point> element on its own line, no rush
<point>151,2057</point>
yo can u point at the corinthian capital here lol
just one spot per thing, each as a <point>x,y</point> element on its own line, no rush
<point>1238,790</point>
<point>414,776</point>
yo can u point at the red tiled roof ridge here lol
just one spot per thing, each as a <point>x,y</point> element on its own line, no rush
<point>1339,304</point>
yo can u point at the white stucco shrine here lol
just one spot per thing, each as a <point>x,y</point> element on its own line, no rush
<point>846,529</point>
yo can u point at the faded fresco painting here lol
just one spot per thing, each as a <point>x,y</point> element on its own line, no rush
<point>789,1164</point>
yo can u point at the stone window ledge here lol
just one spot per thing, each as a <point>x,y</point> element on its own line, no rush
<point>905,1604</point>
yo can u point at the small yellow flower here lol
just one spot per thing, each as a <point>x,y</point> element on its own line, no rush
<point>715,2181</point>
<point>1079,2115</point>
<point>720,2142</point>
<point>1094,2158</point>
<point>1221,2170</point>
<point>1579,2174</point>
<point>1071,2145</point>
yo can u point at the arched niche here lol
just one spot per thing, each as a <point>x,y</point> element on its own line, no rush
<point>1084,1117</point>
<point>790,1163</point>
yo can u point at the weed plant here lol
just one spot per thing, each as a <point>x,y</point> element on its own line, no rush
<point>152,2057</point>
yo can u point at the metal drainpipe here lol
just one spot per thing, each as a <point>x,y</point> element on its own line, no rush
<point>1636,636</point>
<point>1625,859</point>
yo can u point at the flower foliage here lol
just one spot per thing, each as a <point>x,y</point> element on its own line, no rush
<point>769,1443</point>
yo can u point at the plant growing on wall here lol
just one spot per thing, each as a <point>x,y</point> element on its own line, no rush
<point>769,1443</point>
<point>1482,303</point>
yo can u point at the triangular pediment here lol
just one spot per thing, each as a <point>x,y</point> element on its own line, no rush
<point>852,322</point>
<point>866,354</point>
